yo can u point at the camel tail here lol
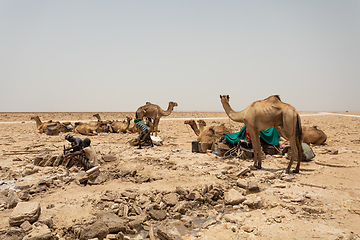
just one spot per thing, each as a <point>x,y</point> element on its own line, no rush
<point>299,128</point>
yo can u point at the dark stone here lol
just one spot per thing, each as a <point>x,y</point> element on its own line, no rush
<point>157,214</point>
<point>96,230</point>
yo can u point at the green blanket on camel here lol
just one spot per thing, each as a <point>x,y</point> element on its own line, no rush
<point>269,135</point>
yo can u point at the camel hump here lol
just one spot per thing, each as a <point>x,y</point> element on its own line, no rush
<point>277,96</point>
<point>274,98</point>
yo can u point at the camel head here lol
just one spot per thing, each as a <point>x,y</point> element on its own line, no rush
<point>35,118</point>
<point>212,130</point>
<point>224,98</point>
<point>189,121</point>
<point>173,104</point>
<point>97,116</point>
<point>202,123</point>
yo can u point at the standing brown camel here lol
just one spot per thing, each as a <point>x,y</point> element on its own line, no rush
<point>268,113</point>
<point>154,112</point>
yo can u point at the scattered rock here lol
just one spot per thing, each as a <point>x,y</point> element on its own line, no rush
<point>195,196</point>
<point>26,226</point>
<point>25,211</point>
<point>242,171</point>
<point>248,228</point>
<point>181,207</point>
<point>96,230</point>
<point>252,186</point>
<point>208,223</point>
<point>181,191</point>
<point>253,201</point>
<point>158,215</point>
<point>39,232</point>
<point>137,221</point>
<point>168,232</point>
<point>109,158</point>
<point>171,199</point>
<point>14,233</point>
<point>114,223</point>
<point>242,183</point>
<point>233,197</point>
<point>12,199</point>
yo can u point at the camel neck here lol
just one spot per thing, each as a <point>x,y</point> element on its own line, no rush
<point>236,116</point>
<point>38,122</point>
<point>168,111</point>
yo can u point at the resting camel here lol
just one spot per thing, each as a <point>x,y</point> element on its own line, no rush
<point>268,113</point>
<point>197,130</point>
<point>62,127</point>
<point>88,129</point>
<point>66,127</point>
<point>105,127</point>
<point>311,135</point>
<point>120,126</point>
<point>154,112</point>
<point>209,136</point>
<point>41,126</point>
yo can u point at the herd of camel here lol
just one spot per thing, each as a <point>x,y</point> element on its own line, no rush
<point>259,115</point>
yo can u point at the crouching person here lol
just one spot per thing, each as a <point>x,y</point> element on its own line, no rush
<point>86,157</point>
<point>144,136</point>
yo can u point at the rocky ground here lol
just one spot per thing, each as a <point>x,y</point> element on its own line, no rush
<point>168,192</point>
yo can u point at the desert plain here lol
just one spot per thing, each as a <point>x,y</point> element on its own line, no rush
<point>170,192</point>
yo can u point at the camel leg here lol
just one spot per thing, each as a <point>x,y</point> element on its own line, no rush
<point>299,156</point>
<point>294,154</point>
<point>255,139</point>
<point>156,124</point>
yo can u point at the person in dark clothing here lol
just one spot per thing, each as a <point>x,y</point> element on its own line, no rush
<point>144,136</point>
<point>86,157</point>
<point>76,143</point>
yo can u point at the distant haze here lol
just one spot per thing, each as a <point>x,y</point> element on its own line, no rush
<point>98,56</point>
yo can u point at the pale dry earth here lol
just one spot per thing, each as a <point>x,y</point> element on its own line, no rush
<point>321,202</point>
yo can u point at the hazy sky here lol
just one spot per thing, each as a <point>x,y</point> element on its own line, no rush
<point>70,56</point>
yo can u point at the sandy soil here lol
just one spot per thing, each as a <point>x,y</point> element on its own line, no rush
<point>321,202</point>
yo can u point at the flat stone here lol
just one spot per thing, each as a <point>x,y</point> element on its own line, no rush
<point>114,223</point>
<point>242,183</point>
<point>109,158</point>
<point>253,201</point>
<point>253,186</point>
<point>96,230</point>
<point>233,197</point>
<point>137,221</point>
<point>26,226</point>
<point>171,199</point>
<point>14,233</point>
<point>40,232</point>
<point>168,232</point>
<point>181,191</point>
<point>157,214</point>
<point>25,211</point>
<point>12,199</point>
